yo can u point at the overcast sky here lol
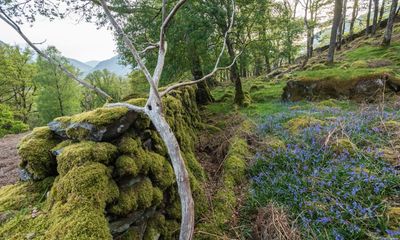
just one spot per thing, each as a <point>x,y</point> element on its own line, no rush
<point>81,41</point>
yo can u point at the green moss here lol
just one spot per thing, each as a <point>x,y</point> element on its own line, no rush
<point>133,233</point>
<point>89,184</point>
<point>138,101</point>
<point>83,152</point>
<point>139,196</point>
<point>318,66</point>
<point>295,124</point>
<point>332,103</point>
<point>225,201</point>
<point>344,144</point>
<point>359,64</point>
<point>161,171</point>
<point>76,221</point>
<point>100,116</point>
<point>35,152</point>
<point>23,194</point>
<point>274,143</point>
<point>125,165</point>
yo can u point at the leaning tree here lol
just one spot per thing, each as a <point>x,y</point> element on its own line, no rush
<point>153,107</point>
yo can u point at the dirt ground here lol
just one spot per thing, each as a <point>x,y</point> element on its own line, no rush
<point>9,159</point>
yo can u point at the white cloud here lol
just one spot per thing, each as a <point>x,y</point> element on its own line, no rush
<point>82,41</point>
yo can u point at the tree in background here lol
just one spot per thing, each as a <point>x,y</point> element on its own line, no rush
<point>57,94</point>
<point>375,19</point>
<point>381,12</point>
<point>8,124</point>
<point>342,26</point>
<point>16,74</point>
<point>353,18</point>
<point>114,85</point>
<point>387,37</point>
<point>335,25</point>
<point>368,29</point>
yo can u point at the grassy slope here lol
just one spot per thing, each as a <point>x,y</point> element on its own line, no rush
<point>365,139</point>
<point>361,58</point>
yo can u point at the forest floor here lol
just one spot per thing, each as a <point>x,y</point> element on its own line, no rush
<point>9,158</point>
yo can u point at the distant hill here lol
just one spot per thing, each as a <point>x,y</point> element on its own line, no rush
<point>84,68</point>
<point>92,63</point>
<point>111,65</point>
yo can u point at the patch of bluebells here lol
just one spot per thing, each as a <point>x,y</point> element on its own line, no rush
<point>333,195</point>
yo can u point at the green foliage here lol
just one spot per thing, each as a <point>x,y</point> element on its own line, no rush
<point>8,124</point>
<point>57,94</point>
<point>17,87</point>
<point>109,82</point>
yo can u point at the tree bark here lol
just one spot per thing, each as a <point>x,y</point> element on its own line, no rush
<point>335,24</point>
<point>375,20</point>
<point>203,94</point>
<point>239,94</point>
<point>367,30</point>
<point>353,18</point>
<point>342,26</point>
<point>387,37</point>
<point>381,12</point>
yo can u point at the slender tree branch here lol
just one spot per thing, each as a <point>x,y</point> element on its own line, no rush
<point>216,68</point>
<point>131,47</point>
<point>209,75</point>
<point>127,105</point>
<point>151,47</point>
<point>11,23</point>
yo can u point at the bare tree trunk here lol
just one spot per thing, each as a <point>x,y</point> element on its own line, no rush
<point>367,30</point>
<point>375,20</point>
<point>182,176</point>
<point>381,12</point>
<point>353,18</point>
<point>239,94</point>
<point>267,63</point>
<point>387,37</point>
<point>335,25</point>
<point>342,26</point>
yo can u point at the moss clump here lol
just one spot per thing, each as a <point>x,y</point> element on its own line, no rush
<point>359,64</point>
<point>89,184</point>
<point>318,66</point>
<point>161,171</point>
<point>225,201</point>
<point>100,116</point>
<point>393,215</point>
<point>139,196</point>
<point>344,145</point>
<point>125,165</point>
<point>35,152</point>
<point>160,228</point>
<point>138,101</point>
<point>294,125</point>
<point>332,103</point>
<point>83,152</point>
<point>274,143</point>
<point>76,221</point>
<point>22,194</point>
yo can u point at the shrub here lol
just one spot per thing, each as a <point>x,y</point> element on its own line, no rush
<point>9,125</point>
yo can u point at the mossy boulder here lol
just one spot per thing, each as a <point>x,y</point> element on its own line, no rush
<point>35,152</point>
<point>113,176</point>
<point>294,125</point>
<point>97,125</point>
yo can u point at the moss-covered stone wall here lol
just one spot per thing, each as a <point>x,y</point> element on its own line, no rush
<point>102,174</point>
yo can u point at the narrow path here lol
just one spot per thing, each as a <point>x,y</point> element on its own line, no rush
<point>9,158</point>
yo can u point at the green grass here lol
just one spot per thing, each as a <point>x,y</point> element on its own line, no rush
<point>369,52</point>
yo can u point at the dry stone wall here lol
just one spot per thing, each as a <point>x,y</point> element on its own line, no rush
<point>112,175</point>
